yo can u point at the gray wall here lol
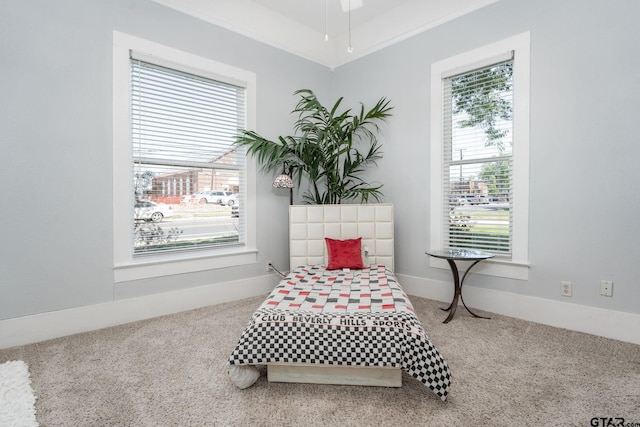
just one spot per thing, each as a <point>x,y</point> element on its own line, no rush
<point>584,199</point>
<point>55,135</point>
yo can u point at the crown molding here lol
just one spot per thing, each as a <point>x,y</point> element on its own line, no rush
<point>267,26</point>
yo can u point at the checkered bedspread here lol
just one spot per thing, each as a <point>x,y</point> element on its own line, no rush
<point>348,318</point>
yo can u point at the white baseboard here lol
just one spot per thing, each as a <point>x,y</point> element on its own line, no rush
<point>581,318</point>
<point>39,327</point>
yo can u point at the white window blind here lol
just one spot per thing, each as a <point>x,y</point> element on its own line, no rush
<point>183,128</point>
<point>477,163</point>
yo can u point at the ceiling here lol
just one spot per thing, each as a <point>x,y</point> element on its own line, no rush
<point>299,26</point>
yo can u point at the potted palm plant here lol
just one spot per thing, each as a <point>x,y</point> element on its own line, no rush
<point>330,149</point>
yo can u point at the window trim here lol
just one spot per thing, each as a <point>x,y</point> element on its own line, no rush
<point>126,266</point>
<point>518,266</point>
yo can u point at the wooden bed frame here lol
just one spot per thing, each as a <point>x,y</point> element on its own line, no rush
<point>308,226</point>
<point>340,375</point>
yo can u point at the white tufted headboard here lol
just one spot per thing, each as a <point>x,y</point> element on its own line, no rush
<point>310,224</point>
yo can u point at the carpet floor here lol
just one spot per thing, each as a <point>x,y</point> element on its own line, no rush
<point>171,371</point>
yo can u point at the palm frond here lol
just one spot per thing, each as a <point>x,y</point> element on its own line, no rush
<point>323,151</point>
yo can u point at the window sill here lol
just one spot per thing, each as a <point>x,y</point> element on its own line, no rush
<point>498,268</point>
<point>146,267</point>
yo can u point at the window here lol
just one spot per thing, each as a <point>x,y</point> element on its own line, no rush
<point>480,154</point>
<point>183,127</point>
<point>478,141</point>
<point>183,192</point>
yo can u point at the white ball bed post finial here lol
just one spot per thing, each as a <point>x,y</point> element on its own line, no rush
<point>243,376</point>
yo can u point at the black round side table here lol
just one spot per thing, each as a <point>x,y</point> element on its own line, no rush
<point>453,255</point>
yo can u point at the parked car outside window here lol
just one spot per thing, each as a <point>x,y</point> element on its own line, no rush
<point>219,197</point>
<point>222,198</point>
<point>146,210</point>
<point>195,197</point>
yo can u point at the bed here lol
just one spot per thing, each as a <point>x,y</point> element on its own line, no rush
<point>340,316</point>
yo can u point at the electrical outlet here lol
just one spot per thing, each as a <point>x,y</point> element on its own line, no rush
<point>565,290</point>
<point>269,265</point>
<point>606,288</point>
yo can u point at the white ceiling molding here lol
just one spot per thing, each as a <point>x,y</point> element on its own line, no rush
<point>299,28</point>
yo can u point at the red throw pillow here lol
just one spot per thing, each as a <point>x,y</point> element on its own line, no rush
<point>344,253</point>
